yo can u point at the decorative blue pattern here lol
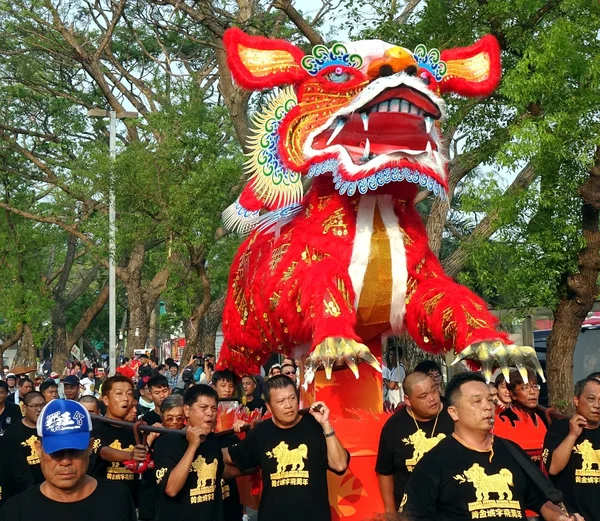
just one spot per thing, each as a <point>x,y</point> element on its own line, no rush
<point>376,180</point>
<point>430,61</point>
<point>323,57</point>
<point>267,222</point>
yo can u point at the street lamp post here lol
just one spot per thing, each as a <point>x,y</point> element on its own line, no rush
<point>112,232</point>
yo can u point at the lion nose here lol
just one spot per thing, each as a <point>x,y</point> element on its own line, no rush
<point>394,60</point>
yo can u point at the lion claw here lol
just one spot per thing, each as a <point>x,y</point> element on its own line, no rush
<point>497,354</point>
<point>337,350</point>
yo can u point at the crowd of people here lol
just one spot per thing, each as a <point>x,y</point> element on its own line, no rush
<point>461,451</point>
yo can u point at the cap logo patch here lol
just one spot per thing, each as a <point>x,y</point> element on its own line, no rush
<point>58,421</point>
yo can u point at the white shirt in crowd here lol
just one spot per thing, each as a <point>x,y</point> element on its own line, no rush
<point>394,396</point>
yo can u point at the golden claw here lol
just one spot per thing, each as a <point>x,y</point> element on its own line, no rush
<point>496,354</point>
<point>338,350</point>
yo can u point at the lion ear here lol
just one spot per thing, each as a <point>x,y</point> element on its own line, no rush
<point>259,63</point>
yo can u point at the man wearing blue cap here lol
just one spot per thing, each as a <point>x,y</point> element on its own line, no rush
<point>64,448</point>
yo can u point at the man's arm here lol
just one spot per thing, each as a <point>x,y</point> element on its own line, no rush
<point>386,487</point>
<point>179,474</point>
<point>337,455</point>
<point>562,453</point>
<point>109,454</point>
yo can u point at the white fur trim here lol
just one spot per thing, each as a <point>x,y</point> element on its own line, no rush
<point>361,248</point>
<point>398,257</point>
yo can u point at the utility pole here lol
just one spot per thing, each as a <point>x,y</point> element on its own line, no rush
<point>112,232</point>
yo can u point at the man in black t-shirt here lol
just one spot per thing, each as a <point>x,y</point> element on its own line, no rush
<point>408,435</point>
<point>67,492</point>
<point>21,439</point>
<point>294,453</point>
<point>472,475</point>
<point>571,452</point>
<point>114,445</point>
<point>158,388</point>
<point>189,468</point>
<point>10,414</point>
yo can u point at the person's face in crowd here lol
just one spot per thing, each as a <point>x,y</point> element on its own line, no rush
<point>173,370</point>
<point>159,394</point>
<point>51,393</point>
<point>34,408</point>
<point>424,399</point>
<point>248,386</point>
<point>25,388</point>
<point>275,371</point>
<point>119,400</point>
<point>71,392</point>
<point>494,393</point>
<point>174,418</point>
<point>202,413</point>
<point>145,393</point>
<point>224,389</point>
<point>132,414</point>
<point>289,371</point>
<point>163,371</point>
<point>64,469</point>
<point>474,408</point>
<point>283,404</point>
<point>588,404</point>
<point>392,358</point>
<point>11,382</point>
<point>527,394</point>
<point>92,407</point>
<point>3,395</point>
<point>504,394</point>
<point>436,376</point>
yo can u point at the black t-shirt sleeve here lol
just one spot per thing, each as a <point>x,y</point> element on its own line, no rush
<point>166,458</point>
<point>556,434</point>
<point>385,455</point>
<point>245,455</point>
<point>421,493</point>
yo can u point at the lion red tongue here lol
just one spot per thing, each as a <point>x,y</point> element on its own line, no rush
<point>387,132</point>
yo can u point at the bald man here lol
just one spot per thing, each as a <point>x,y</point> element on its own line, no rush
<point>408,435</point>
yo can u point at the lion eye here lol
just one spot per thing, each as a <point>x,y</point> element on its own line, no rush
<point>338,76</point>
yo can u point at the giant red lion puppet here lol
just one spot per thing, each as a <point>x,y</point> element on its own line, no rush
<point>337,256</point>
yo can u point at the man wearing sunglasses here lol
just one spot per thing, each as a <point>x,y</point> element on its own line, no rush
<point>21,438</point>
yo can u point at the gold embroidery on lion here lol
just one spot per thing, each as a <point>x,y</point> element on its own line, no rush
<point>422,445</point>
<point>589,457</point>
<point>206,473</point>
<point>34,457</point>
<point>497,484</point>
<point>292,458</point>
<point>117,471</point>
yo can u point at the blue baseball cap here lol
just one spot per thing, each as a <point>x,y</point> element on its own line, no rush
<point>64,424</point>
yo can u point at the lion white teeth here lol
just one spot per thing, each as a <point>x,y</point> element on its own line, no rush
<point>367,151</point>
<point>336,131</point>
<point>428,124</point>
<point>365,120</point>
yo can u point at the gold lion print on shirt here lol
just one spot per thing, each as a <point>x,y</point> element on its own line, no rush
<point>116,471</point>
<point>206,483</point>
<point>34,457</point>
<point>292,458</point>
<point>589,457</point>
<point>493,493</point>
<point>225,490</point>
<point>422,445</point>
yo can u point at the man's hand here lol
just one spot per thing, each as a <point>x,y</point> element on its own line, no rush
<point>572,517</point>
<point>237,425</point>
<point>195,436</point>
<point>576,425</point>
<point>320,412</point>
<point>139,453</point>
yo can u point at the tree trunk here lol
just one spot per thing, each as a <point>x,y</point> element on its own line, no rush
<point>153,330</point>
<point>61,351</point>
<point>580,292</point>
<point>11,341</point>
<point>26,352</point>
<point>137,329</point>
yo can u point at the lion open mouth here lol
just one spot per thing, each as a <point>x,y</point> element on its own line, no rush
<point>397,121</point>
